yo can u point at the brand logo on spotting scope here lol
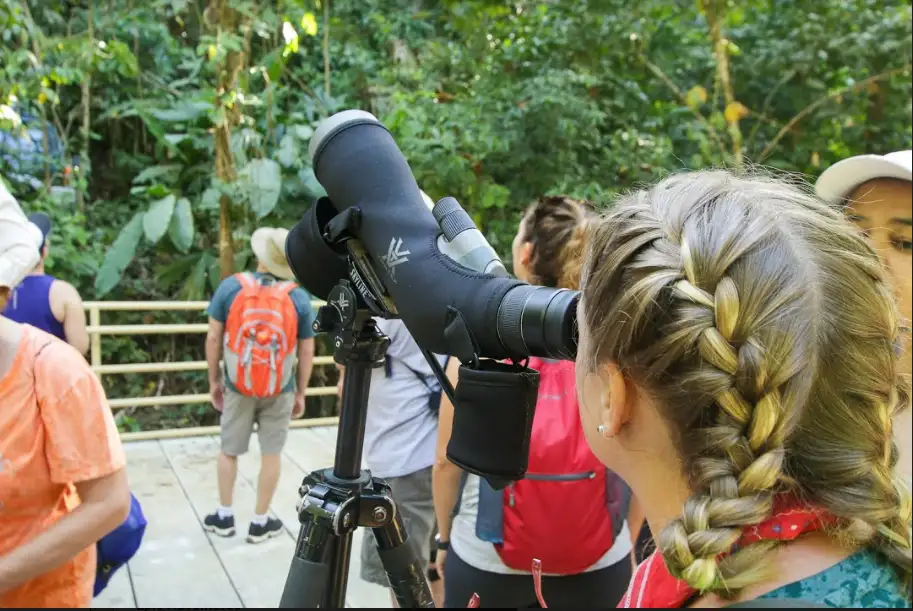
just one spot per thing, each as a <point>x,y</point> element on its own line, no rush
<point>342,303</point>
<point>395,256</point>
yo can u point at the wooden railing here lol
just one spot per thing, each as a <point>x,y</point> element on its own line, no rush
<point>97,330</point>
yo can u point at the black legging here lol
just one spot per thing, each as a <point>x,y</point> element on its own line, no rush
<point>596,589</point>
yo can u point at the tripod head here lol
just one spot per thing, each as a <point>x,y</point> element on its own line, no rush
<point>347,317</point>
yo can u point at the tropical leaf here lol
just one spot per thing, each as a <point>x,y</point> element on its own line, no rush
<point>185,111</point>
<point>264,181</point>
<point>155,172</point>
<point>119,256</point>
<point>181,228</point>
<point>157,218</point>
<point>311,185</point>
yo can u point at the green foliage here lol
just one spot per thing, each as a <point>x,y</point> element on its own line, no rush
<point>120,255</point>
<point>494,103</point>
<point>181,226</point>
<point>158,218</point>
<point>262,180</point>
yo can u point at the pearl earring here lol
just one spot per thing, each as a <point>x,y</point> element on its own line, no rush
<point>603,430</point>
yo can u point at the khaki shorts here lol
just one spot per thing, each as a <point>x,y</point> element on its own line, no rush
<point>412,494</point>
<point>272,417</point>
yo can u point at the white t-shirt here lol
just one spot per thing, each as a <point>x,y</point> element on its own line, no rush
<point>401,431</point>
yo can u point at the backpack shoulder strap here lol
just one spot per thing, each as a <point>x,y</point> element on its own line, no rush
<point>246,279</point>
<point>286,287</point>
<point>422,377</point>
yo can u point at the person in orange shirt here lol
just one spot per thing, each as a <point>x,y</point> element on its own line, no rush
<point>63,485</point>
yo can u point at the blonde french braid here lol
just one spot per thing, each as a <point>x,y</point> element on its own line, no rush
<point>696,289</point>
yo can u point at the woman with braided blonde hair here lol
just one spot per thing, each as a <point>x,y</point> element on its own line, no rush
<point>737,368</point>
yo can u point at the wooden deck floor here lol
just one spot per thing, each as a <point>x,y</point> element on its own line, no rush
<point>180,565</point>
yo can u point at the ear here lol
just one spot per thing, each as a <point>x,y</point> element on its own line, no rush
<point>526,253</point>
<point>615,405</point>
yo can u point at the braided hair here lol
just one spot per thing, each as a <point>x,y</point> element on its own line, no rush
<point>722,297</point>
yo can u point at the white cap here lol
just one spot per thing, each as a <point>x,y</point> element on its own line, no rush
<point>20,241</point>
<point>842,178</point>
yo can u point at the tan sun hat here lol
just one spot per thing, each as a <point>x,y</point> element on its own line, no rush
<point>268,244</point>
<point>20,241</point>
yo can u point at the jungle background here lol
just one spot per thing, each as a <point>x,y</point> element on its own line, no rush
<point>163,132</point>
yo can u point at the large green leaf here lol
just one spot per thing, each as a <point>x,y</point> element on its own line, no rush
<point>311,185</point>
<point>119,256</point>
<point>184,111</point>
<point>156,171</point>
<point>158,217</point>
<point>193,288</point>
<point>264,182</point>
<point>181,227</point>
<point>288,150</point>
<point>210,199</point>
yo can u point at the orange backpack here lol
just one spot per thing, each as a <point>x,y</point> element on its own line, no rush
<point>261,337</point>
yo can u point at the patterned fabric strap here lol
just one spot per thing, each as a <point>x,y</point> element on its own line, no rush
<point>653,587</point>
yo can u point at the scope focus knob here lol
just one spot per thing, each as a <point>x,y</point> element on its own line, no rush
<point>463,242</point>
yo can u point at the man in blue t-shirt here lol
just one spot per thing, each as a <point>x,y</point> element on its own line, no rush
<point>241,411</point>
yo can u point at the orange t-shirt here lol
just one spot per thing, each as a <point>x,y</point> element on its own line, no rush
<point>56,430</point>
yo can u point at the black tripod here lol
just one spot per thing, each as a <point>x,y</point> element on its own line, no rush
<point>336,501</point>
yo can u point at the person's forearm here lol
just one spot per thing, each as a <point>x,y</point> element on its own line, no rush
<point>446,491</point>
<point>213,358</point>
<point>305,364</point>
<point>75,329</point>
<point>79,339</point>
<point>80,343</point>
<point>60,543</point>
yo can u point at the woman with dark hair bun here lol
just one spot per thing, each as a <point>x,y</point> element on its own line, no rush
<point>569,512</point>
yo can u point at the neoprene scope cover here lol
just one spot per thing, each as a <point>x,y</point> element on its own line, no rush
<point>367,177</point>
<point>493,420</point>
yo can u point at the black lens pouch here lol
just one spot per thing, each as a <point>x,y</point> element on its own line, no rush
<point>493,420</point>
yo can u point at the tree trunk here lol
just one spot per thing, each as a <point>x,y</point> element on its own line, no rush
<point>85,164</point>
<point>227,23</point>
<point>715,12</point>
<point>326,46</point>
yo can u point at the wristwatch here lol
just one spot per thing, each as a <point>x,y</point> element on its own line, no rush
<point>441,545</point>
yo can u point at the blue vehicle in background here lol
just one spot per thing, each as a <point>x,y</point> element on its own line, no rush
<point>23,159</point>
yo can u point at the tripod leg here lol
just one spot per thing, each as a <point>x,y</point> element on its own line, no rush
<point>335,595</point>
<point>309,573</point>
<point>399,556</point>
<point>319,570</point>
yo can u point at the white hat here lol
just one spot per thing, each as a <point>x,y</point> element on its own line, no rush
<point>839,180</point>
<point>20,241</point>
<point>268,245</point>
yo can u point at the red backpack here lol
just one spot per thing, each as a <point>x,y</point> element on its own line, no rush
<point>569,509</point>
<point>261,337</point>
